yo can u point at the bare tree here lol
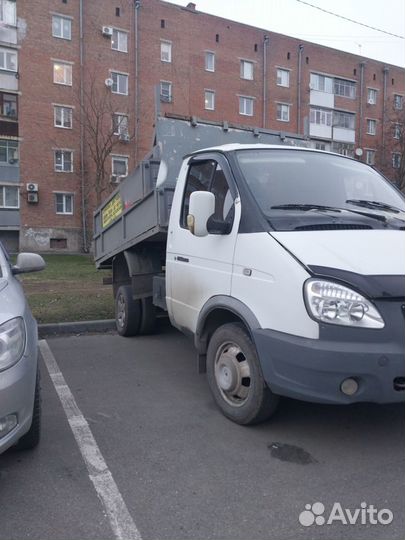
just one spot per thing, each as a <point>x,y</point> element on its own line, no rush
<point>398,149</point>
<point>102,131</point>
<point>391,156</point>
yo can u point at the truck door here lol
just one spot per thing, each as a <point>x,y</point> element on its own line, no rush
<point>201,267</point>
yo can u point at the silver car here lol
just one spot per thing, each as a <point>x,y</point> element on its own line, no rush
<point>20,401</point>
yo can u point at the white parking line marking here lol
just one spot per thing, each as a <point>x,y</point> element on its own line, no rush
<point>121,522</point>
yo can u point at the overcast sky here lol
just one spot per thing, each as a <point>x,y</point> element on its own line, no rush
<point>302,21</point>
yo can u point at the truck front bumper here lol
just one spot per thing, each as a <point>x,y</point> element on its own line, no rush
<point>313,370</point>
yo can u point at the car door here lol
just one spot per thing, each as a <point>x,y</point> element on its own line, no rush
<point>201,267</point>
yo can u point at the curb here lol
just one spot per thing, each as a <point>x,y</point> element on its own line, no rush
<point>79,327</point>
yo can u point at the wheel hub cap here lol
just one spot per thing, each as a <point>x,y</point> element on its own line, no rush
<point>232,374</point>
<point>227,376</point>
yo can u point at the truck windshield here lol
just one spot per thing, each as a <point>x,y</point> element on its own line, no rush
<point>320,187</point>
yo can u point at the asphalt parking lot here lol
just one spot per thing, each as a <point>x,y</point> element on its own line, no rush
<point>180,469</point>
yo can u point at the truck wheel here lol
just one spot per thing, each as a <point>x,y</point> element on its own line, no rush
<point>235,377</point>
<point>127,312</point>
<point>31,439</point>
<point>148,319</point>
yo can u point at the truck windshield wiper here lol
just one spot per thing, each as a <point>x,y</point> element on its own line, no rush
<point>374,205</point>
<point>305,207</point>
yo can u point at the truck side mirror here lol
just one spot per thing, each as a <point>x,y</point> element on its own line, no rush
<point>218,226</point>
<point>202,206</point>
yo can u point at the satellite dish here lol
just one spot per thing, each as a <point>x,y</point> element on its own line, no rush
<point>358,152</point>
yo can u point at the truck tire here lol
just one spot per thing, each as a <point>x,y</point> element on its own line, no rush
<point>128,312</point>
<point>235,377</point>
<point>148,318</point>
<point>31,439</point>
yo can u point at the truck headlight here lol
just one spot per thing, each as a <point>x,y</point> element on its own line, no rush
<point>333,303</point>
<point>12,342</point>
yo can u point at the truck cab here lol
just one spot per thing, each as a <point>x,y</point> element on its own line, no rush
<point>287,267</point>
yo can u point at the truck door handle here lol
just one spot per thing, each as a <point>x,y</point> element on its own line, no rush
<point>182,259</point>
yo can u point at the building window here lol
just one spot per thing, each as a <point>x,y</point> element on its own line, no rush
<point>371,127</point>
<point>8,105</point>
<point>8,12</point>
<point>8,60</point>
<point>63,161</point>
<point>345,149</point>
<point>209,100</point>
<point>62,73</point>
<point>9,197</point>
<point>8,152</point>
<point>165,91</point>
<point>320,146</point>
<point>246,69</point>
<point>345,88</point>
<point>321,117</point>
<point>343,120</point>
<point>371,96</point>
<point>64,203</point>
<point>246,106</point>
<point>120,124</point>
<point>119,40</point>
<point>283,112</point>
<point>396,160</point>
<point>321,83</point>
<point>61,27</point>
<point>120,83</point>
<point>398,102</point>
<point>165,51</point>
<point>63,116</point>
<point>283,77</point>
<point>397,131</point>
<point>58,243</point>
<point>119,167</point>
<point>370,157</point>
<point>209,61</point>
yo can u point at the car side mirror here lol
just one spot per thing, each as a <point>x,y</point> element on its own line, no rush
<point>28,262</point>
<point>202,206</point>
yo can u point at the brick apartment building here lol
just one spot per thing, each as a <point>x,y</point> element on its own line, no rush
<point>70,65</point>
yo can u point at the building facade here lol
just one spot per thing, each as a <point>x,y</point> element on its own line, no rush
<point>82,80</point>
<point>9,132</point>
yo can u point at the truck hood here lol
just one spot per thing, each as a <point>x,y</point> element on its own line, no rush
<point>366,252</point>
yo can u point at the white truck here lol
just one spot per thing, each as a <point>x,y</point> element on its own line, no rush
<point>285,264</point>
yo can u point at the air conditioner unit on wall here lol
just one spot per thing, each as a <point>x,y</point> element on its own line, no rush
<point>107,31</point>
<point>115,179</point>
<point>32,188</point>
<point>124,137</point>
<point>32,197</point>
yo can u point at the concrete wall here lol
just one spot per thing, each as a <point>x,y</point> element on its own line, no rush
<point>38,239</point>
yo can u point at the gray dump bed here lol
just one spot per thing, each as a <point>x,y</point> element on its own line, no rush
<point>139,209</point>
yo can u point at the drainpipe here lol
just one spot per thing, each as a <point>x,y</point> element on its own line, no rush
<point>300,51</point>
<point>385,72</point>
<point>360,142</point>
<point>137,5</point>
<point>82,179</point>
<point>265,43</point>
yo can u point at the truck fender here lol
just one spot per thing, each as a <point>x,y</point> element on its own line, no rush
<point>219,310</point>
